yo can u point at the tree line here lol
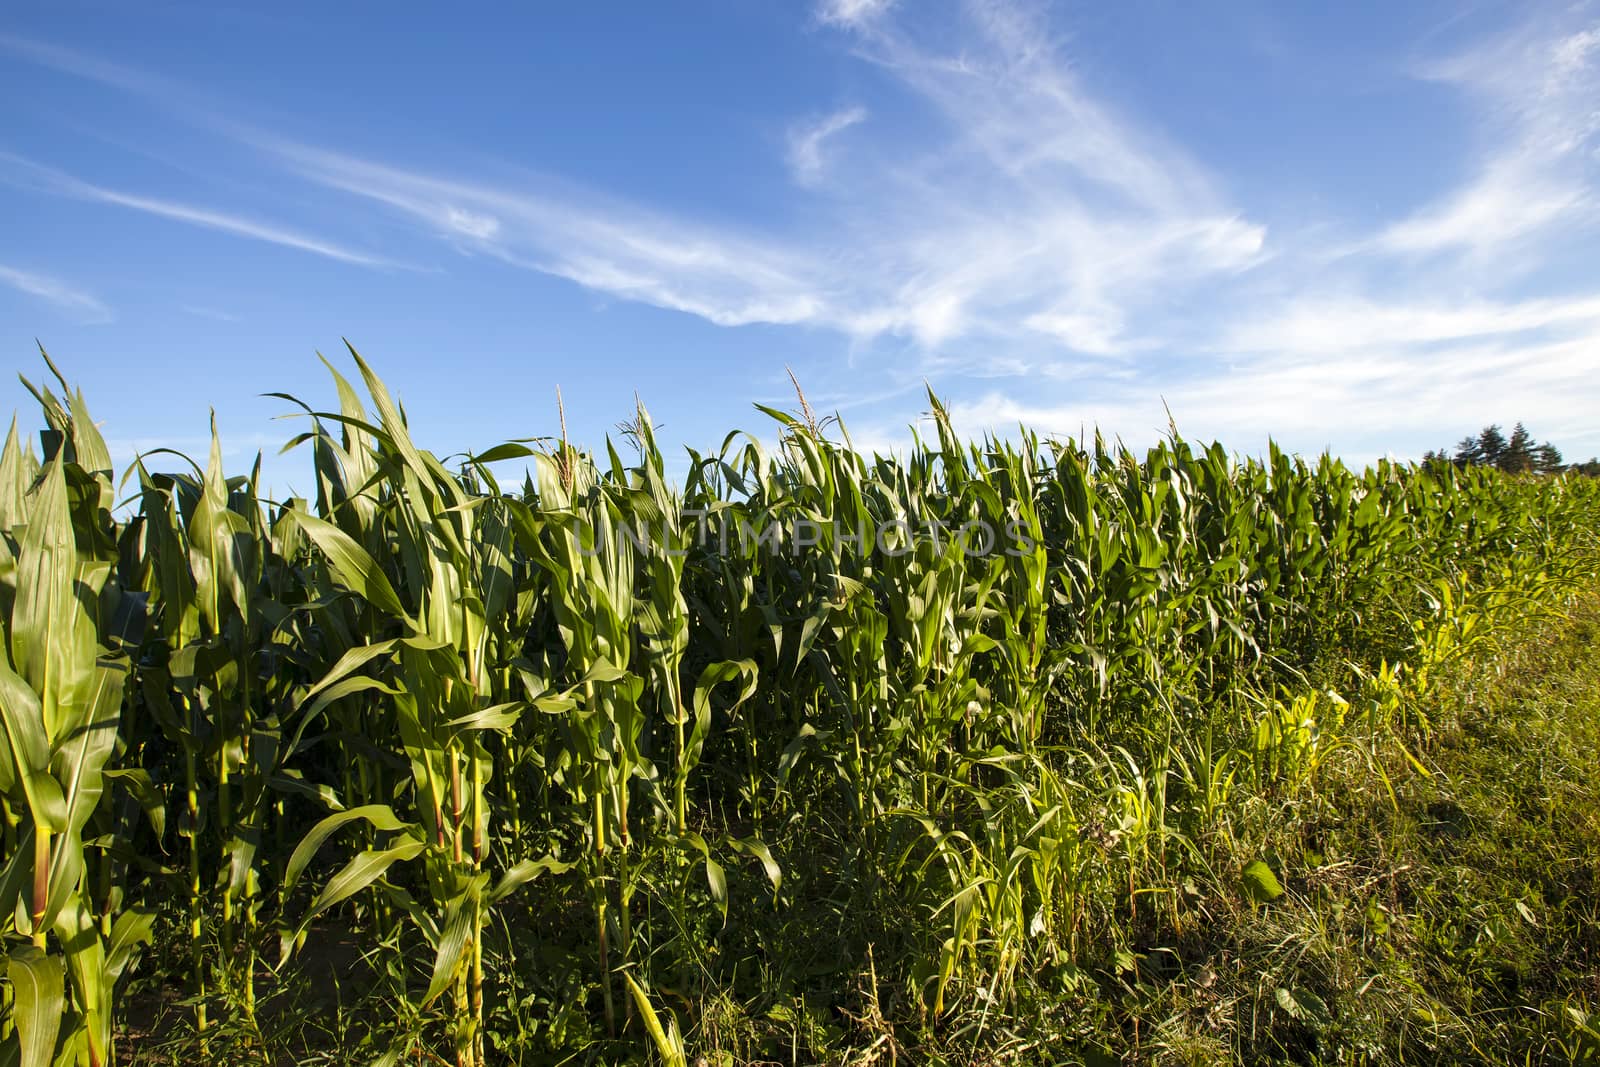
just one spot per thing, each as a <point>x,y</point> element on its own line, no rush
<point>1515,455</point>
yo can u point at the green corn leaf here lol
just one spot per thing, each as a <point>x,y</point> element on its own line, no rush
<point>79,934</point>
<point>29,750</point>
<point>462,918</point>
<point>603,671</point>
<point>508,450</point>
<point>714,675</point>
<point>16,876</point>
<point>42,625</point>
<point>292,782</point>
<point>151,800</point>
<point>89,447</point>
<point>39,1003</point>
<point>669,1045</point>
<point>352,661</point>
<point>717,879</point>
<point>498,717</point>
<point>66,873</point>
<point>352,566</point>
<point>14,481</point>
<point>80,758</point>
<point>133,928</point>
<point>366,868</point>
<point>757,848</point>
<point>524,872</point>
<point>310,710</point>
<point>381,816</point>
<point>807,737</point>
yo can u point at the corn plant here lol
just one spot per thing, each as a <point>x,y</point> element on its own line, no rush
<point>61,683</point>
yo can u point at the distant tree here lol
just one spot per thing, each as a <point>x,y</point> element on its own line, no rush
<point>1517,456</point>
<point>1547,459</point>
<point>1491,446</point>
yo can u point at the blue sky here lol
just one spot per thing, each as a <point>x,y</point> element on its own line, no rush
<point>1366,226</point>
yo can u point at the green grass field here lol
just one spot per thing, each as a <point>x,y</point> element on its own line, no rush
<point>1036,751</point>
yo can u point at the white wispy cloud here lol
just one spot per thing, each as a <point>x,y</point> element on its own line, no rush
<point>1324,326</point>
<point>852,13</point>
<point>1541,124</point>
<point>236,225</point>
<point>622,249</point>
<point>29,174</point>
<point>1020,114</point>
<point>53,290</point>
<point>1033,213</point>
<point>1364,401</point>
<point>1505,203</point>
<point>807,140</point>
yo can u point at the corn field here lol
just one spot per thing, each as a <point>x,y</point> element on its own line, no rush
<point>571,757</point>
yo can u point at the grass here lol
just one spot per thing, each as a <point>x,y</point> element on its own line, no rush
<point>1463,924</point>
<point>1454,922</point>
